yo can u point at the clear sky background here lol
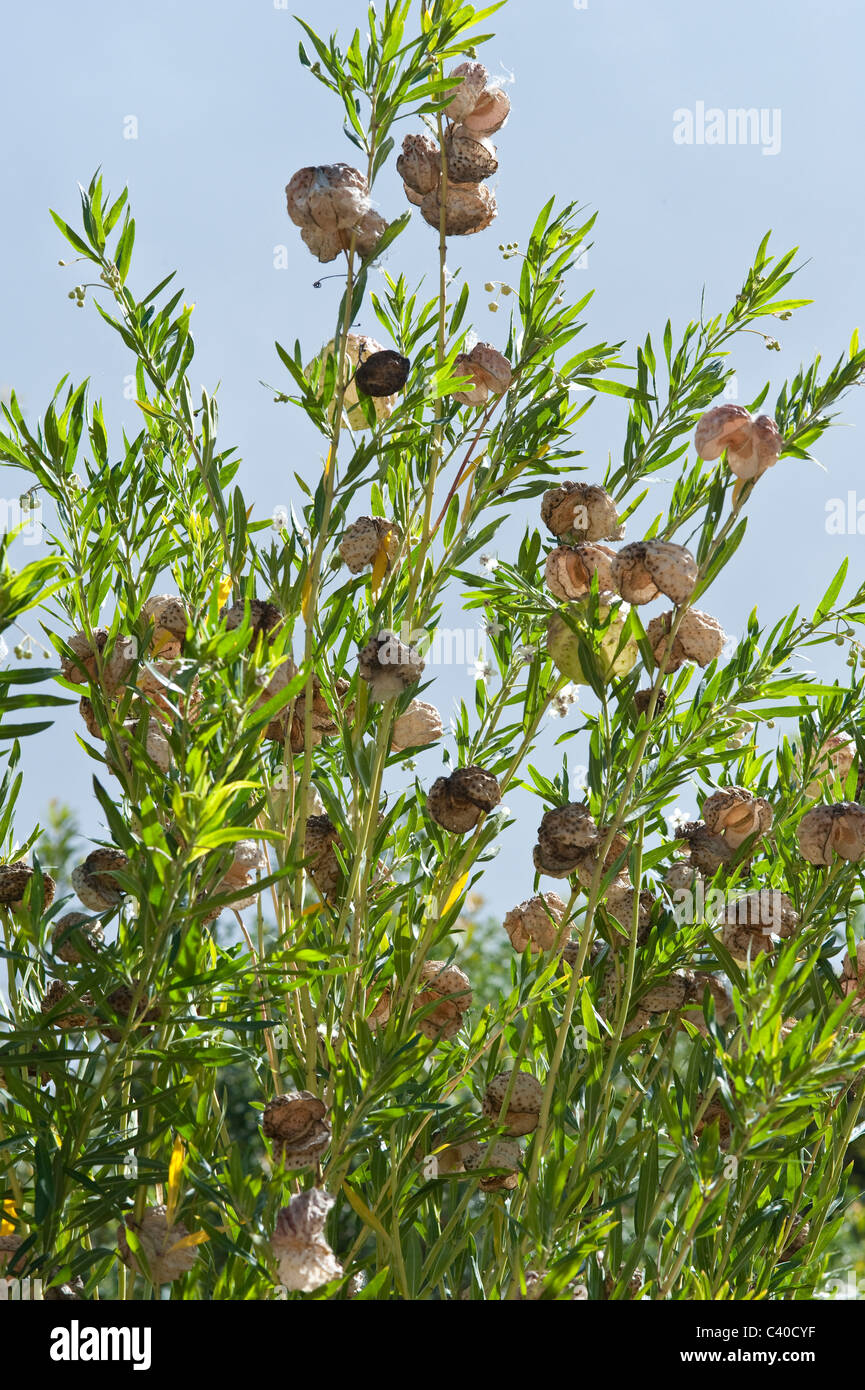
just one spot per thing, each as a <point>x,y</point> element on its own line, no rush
<point>225,115</point>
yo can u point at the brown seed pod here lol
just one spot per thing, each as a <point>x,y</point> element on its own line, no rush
<point>14,879</point>
<point>325,246</point>
<point>746,945</point>
<point>382,373</point>
<point>82,667</point>
<point>646,569</point>
<point>502,1153</point>
<point>760,450</point>
<point>88,714</point>
<point>457,802</point>
<point>569,569</point>
<point>366,538</point>
<point>767,910</point>
<point>469,208</point>
<point>367,234</point>
<point>477,393</point>
<point>451,1158</point>
<point>324,869</point>
<point>852,979</point>
<point>681,876</point>
<point>170,621</point>
<point>564,834</point>
<point>490,112</point>
<point>588,861</point>
<point>73,933</point>
<point>419,165</point>
<point>672,993</point>
<point>265,619</point>
<point>449,989</point>
<point>619,902</point>
<point>800,1234</point>
<point>524,1108</point>
<point>389,666</point>
<point>306,1261</point>
<point>708,851</point>
<point>736,814</point>
<point>714,1114</point>
<point>68,1012</point>
<point>296,1124</point>
<point>641,1020</point>
<point>833,762</point>
<point>94,881</point>
<point>379,1014</point>
<point>471,158</point>
<point>248,859</point>
<point>466,96</point>
<point>417,727</point>
<point>581,512</point>
<point>117,661</point>
<point>836,829</point>
<point>160,683</point>
<point>725,426</point>
<point>156,746</point>
<point>642,698</point>
<point>330,196</point>
<point>719,992</point>
<point>536,923</point>
<point>167,1259</point>
<point>491,368</point>
<point>120,1002</point>
<point>699,638</point>
<point>357,348</point>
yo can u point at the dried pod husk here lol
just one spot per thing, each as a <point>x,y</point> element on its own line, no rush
<point>491,368</point>
<point>248,860</point>
<point>389,666</point>
<point>466,96</point>
<point>564,834</point>
<point>720,994</point>
<point>490,112</point>
<point>736,814</point>
<point>723,427</point>
<point>73,933</point>
<point>616,654</point>
<point>65,1010</point>
<point>379,1014</point>
<point>641,1020</point>
<point>457,802</point>
<point>94,881</point>
<point>368,537</point>
<point>449,989</point>
<point>419,165</point>
<point>120,1002</point>
<point>708,851</point>
<point>568,570</point>
<point>166,1257</point>
<point>501,1153</point>
<point>471,158</point>
<point>767,910</point>
<point>747,944</point>
<point>330,196</point>
<point>296,1124</point>
<point>699,638</point>
<point>646,569</point>
<point>852,979</point>
<point>324,869</point>
<point>14,880</point>
<point>672,993</point>
<point>325,246</point>
<point>265,619</point>
<point>715,1113</point>
<point>634,1288</point>
<point>160,684</point>
<point>452,1158</point>
<point>524,1108</point>
<point>469,208</point>
<point>536,922</point>
<point>88,714</point>
<point>324,723</point>
<point>828,830</point>
<point>478,392</point>
<point>357,348</point>
<point>306,1261</point>
<point>367,234</point>
<point>83,666</point>
<point>116,661</point>
<point>681,876</point>
<point>588,861</point>
<point>417,727</point>
<point>759,451</point>
<point>156,746</point>
<point>642,699</point>
<point>581,512</point>
<point>620,901</point>
<point>382,373</point>
<point>170,621</point>
<point>832,763</point>
<point>414,198</point>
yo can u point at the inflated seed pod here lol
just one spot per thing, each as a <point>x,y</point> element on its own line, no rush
<point>719,993</point>
<point>94,881</point>
<point>620,900</point>
<point>535,922</point>
<point>616,655</point>
<point>708,851</point>
<point>324,869</point>
<point>332,197</point>
<point>379,1014</point>
<point>449,989</point>
<point>471,158</point>
<point>117,661</point>
<point>14,880</point>
<point>465,97</point>
<point>366,538</point>
<point>642,700</point>
<point>457,802</point>
<point>478,391</point>
<point>305,1260</point>
<point>490,112</point>
<point>588,861</point>
<point>646,569</point>
<point>367,235</point>
<point>568,570</point>
<point>469,208</point>
<point>524,1108</point>
<point>161,1243</point>
<point>672,993</point>
<point>418,726</point>
<point>382,373</point>
<point>265,619</point>
<point>564,834</point>
<point>641,1020</point>
<point>722,427</point>
<point>760,450</point>
<point>389,666</point>
<point>833,762</point>
<point>296,1124</point>
<point>81,666</point>
<point>699,638</point>
<point>419,164</point>
<point>838,829</point>
<point>158,683</point>
<point>357,349</point>
<point>767,909</point>
<point>715,1114</point>
<point>747,944</point>
<point>170,621</point>
<point>325,246</point>
<point>736,813</point>
<point>73,933</point>
<point>64,1010</point>
<point>120,1003</point>
<point>491,368</point>
<point>681,876</point>
<point>502,1153</point>
<point>581,512</point>
<point>799,1236</point>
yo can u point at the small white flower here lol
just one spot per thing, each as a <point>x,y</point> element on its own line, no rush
<point>561,703</point>
<point>279,519</point>
<point>677,818</point>
<point>490,563</point>
<point>525,654</point>
<point>482,669</point>
<point>492,628</point>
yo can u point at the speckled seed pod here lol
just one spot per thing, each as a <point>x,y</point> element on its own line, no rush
<point>265,619</point>
<point>296,1124</point>
<point>161,685</point>
<point>681,877</point>
<point>156,745</point>
<point>536,923</point>
<point>367,234</point>
<point>642,699</point>
<point>419,165</point>
<point>719,993</point>
<point>837,829</point>
<point>117,661</point>
<point>470,158</point>
<point>503,1153</point>
<point>672,993</point>
<point>382,373</point>
<point>478,391</point>
<point>723,427</point>
<point>747,945</point>
<point>490,112</point>
<point>248,859</point>
<point>564,834</point>
<point>759,451</point>
<point>466,96</point>
<point>170,621</point>
<point>14,879</point>
<point>715,1114</point>
<point>72,1011</point>
<point>708,851</point>
<point>832,763</point>
<point>620,901</point>
<point>588,860</point>
<point>449,989</point>
<point>366,538</point>
<point>389,666</point>
<point>379,1014</point>
<point>455,1158</point>
<point>646,569</point>
<point>767,910</point>
<point>736,814</point>
<point>852,980</point>
<point>166,1258</point>
<point>329,196</point>
<point>581,512</point>
<point>82,667</point>
<point>457,802</point>
<point>321,836</point>
<point>641,1020</point>
<point>94,881</point>
<point>325,246</point>
<point>699,638</point>
<point>324,722</point>
<point>469,208</point>
<point>417,727</point>
<point>357,349</point>
<point>88,714</point>
<point>120,1003</point>
<point>306,1261</point>
<point>568,570</point>
<point>524,1107</point>
<point>616,654</point>
<point>73,933</point>
<point>491,368</point>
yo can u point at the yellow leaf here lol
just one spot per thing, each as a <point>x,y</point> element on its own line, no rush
<point>381,561</point>
<point>175,1175</point>
<point>197,1238</point>
<point>224,589</point>
<point>455,893</point>
<point>364,1212</point>
<point>7,1227</point>
<point>304,597</point>
<point>328,461</point>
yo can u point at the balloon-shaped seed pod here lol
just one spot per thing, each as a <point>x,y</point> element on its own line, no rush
<point>389,666</point>
<point>471,158</point>
<point>73,933</point>
<point>382,373</point>
<point>646,569</point>
<point>305,1260</point>
<point>699,638</point>
<point>465,97</point>
<point>417,727</point>
<point>365,539</point>
<point>357,349</point>
<point>331,197</point>
<point>524,1107</point>
<point>449,989</point>
<point>838,829</point>
<point>419,164</point>
<point>568,570</point>
<point>581,512</point>
<point>95,880</point>
<point>160,1242</point>
<point>14,880</point>
<point>536,923</point>
<point>170,620</point>
<point>616,654</point>
<point>457,802</point>
<point>296,1125</point>
<point>736,813</point>
<point>469,208</point>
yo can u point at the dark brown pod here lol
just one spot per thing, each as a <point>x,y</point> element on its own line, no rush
<point>382,373</point>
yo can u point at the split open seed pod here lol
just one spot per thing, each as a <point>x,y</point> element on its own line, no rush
<point>167,1258</point>
<point>568,570</point>
<point>490,112</point>
<point>471,158</point>
<point>306,1261</point>
<point>581,512</point>
<point>332,197</point>
<point>646,569</point>
<point>564,834</point>
<point>170,621</point>
<point>265,619</point>
<point>465,97</point>
<point>723,427</point>
<point>296,1124</point>
<point>419,164</point>
<point>832,763</point>
<point>469,208</point>
<point>457,802</point>
<point>838,829</point>
<point>736,813</point>
<point>536,923</point>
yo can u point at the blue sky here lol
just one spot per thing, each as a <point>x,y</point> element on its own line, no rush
<point>223,116</point>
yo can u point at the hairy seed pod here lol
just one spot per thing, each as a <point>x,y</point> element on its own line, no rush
<point>161,1244</point>
<point>457,802</point>
<point>94,881</point>
<point>699,638</point>
<point>469,208</point>
<point>417,727</point>
<point>449,989</point>
<point>365,539</point>
<point>524,1108</point>
<point>389,666</point>
<point>581,512</point>
<point>382,373</point>
<point>73,933</point>
<point>296,1124</point>
<point>838,829</point>
<point>491,368</point>
<point>536,923</point>
<point>14,879</point>
<point>568,570</point>
<point>306,1261</point>
<point>646,569</point>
